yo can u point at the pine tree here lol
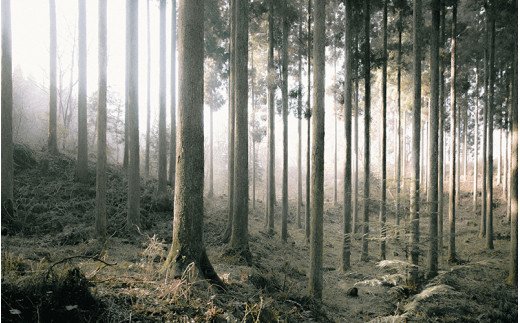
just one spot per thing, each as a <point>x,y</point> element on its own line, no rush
<point>82,163</point>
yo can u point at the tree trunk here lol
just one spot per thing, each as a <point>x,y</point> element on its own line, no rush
<point>416,138</point>
<point>347,187</point>
<point>239,244</point>
<point>187,244</point>
<point>482,232</point>
<point>173,103</point>
<point>308,116</point>
<point>271,143</point>
<point>285,113</point>
<point>335,109</point>
<point>491,106</point>
<point>452,255</point>
<point>398,139</point>
<point>163,171</point>
<point>82,163</point>
<point>300,107</point>
<point>366,166</point>
<point>382,208</point>
<point>7,112</point>
<point>101,180</point>
<point>442,113</point>
<point>433,174</point>
<point>148,99</point>
<point>465,147</point>
<point>52,144</point>
<point>475,142</point>
<point>458,153</point>
<point>318,144</point>
<point>132,98</point>
<point>356,141</point>
<point>210,189</point>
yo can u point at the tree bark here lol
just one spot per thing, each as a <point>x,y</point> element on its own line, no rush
<point>101,185</point>
<point>173,103</point>
<point>148,99</point>
<point>442,114</point>
<point>382,207</point>
<point>300,115</point>
<point>315,286</point>
<point>366,166</point>
<point>52,143</point>
<point>491,106</point>
<point>482,232</point>
<point>132,98</point>
<point>271,93</point>
<point>433,263</point>
<point>82,163</point>
<point>398,139</point>
<point>452,255</point>
<point>475,141</point>
<point>285,113</point>
<point>163,170</point>
<point>188,244</point>
<point>356,141</point>
<point>308,116</point>
<point>7,112</point>
<point>210,189</point>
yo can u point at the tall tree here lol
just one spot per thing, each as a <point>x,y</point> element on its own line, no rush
<point>482,232</point>
<point>285,113</point>
<point>434,142</point>
<point>239,234</point>
<point>452,256</point>
<point>382,207</point>
<point>188,244</point>
<point>163,171</point>
<point>441,147</point>
<point>491,108</point>
<point>148,96</point>
<point>318,144</point>
<point>308,117</point>
<point>52,143</point>
<point>271,87</point>
<point>300,115</point>
<point>347,187</point>
<point>7,111</point>
<point>475,139</point>
<point>82,164</point>
<point>132,99</point>
<point>101,180</point>
<point>366,166</point>
<point>416,141</point>
<point>355,208</point>
<point>398,117</point>
<point>173,93</point>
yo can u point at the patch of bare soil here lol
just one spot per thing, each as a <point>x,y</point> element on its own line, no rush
<point>52,264</point>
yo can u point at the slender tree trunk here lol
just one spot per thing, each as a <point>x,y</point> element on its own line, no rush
<point>163,171</point>
<point>271,131</point>
<point>210,190</point>
<point>416,137</point>
<point>475,142</point>
<point>356,141</point>
<point>465,147</point>
<point>442,114</point>
<point>482,232</point>
<point>398,139</point>
<point>132,99</point>
<point>173,93</point>
<point>315,286</point>
<point>101,181</point>
<point>148,94</point>
<point>347,187</point>
<point>458,152</point>
<point>82,163</point>
<point>285,113</point>
<point>188,244</point>
<point>308,116</point>
<point>52,143</point>
<point>366,166</point>
<point>7,112</point>
<point>300,107</point>
<point>433,263</point>
<point>491,106</point>
<point>335,134</point>
<point>452,255</point>
<point>382,208</point>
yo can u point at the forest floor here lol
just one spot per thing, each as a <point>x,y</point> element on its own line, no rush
<point>53,269</point>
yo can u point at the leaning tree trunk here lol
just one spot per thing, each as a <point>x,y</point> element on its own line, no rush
<point>366,166</point>
<point>7,112</point>
<point>173,103</point>
<point>491,107</point>
<point>148,99</point>
<point>271,143</point>
<point>347,175</point>
<point>382,207</point>
<point>163,171</point>
<point>433,192</point>
<point>315,286</point>
<point>285,113</point>
<point>416,141</point>
<point>52,143</point>
<point>132,99</point>
<point>452,255</point>
<point>82,164</point>
<point>101,179</point>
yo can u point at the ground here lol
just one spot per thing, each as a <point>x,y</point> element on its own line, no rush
<point>53,268</point>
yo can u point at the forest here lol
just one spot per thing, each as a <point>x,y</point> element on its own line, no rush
<point>259,161</point>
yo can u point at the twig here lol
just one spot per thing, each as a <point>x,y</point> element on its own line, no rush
<point>75,257</point>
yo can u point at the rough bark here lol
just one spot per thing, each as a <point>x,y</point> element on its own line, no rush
<point>285,113</point>
<point>308,116</point>
<point>101,185</point>
<point>482,232</point>
<point>300,115</point>
<point>163,170</point>
<point>442,114</point>
<point>173,93</point>
<point>132,99</point>
<point>491,107</point>
<point>82,163</point>
<point>398,140</point>
<point>7,112</point>
<point>452,255</point>
<point>382,206</point>
<point>52,143</point>
<point>356,141</point>
<point>475,141</point>
<point>315,286</point>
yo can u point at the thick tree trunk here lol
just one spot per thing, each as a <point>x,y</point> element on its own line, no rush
<point>285,113</point>
<point>271,129</point>
<point>382,207</point>
<point>347,187</point>
<point>491,106</point>
<point>315,286</point>
<point>452,255</point>
<point>187,244</point>
<point>52,143</point>
<point>132,98</point>
<point>366,166</point>
<point>82,163</point>
<point>416,138</point>
<point>173,93</point>
<point>163,171</point>
<point>101,185</point>
<point>433,263</point>
<point>7,112</point>
<point>148,99</point>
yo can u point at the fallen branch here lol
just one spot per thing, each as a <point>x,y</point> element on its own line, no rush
<point>76,257</point>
